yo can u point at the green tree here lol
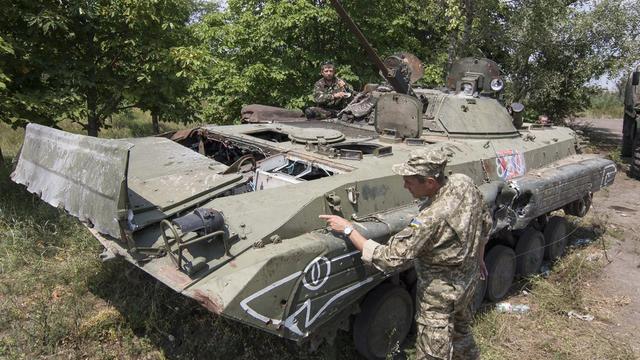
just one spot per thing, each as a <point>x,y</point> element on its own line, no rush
<point>29,91</point>
<point>80,59</point>
<point>180,60</point>
<point>5,49</point>
<point>550,49</point>
<point>165,85</point>
<point>269,52</point>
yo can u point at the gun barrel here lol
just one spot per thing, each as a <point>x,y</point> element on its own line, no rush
<point>397,85</point>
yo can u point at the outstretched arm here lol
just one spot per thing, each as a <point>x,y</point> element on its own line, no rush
<point>401,248</point>
<point>337,224</point>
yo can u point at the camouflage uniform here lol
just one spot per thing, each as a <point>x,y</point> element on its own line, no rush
<point>443,242</point>
<point>327,106</point>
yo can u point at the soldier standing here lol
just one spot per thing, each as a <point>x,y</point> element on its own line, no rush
<point>330,94</point>
<point>446,244</point>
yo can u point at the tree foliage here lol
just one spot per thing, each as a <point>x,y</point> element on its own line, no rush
<point>270,51</point>
<point>80,59</point>
<point>550,49</point>
<point>186,59</point>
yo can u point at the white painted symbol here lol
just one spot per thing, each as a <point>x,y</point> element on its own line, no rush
<point>314,276</point>
<point>245,303</point>
<point>309,318</point>
<point>510,164</point>
<point>608,175</point>
<point>316,273</point>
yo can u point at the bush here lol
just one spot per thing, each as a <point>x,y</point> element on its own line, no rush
<point>605,104</point>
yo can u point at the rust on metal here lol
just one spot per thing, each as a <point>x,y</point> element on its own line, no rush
<point>206,300</point>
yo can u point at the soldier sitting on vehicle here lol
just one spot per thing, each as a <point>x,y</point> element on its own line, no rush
<point>331,94</point>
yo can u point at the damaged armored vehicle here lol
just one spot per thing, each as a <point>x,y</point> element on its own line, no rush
<point>228,215</point>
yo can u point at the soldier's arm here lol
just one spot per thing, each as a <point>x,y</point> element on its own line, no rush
<point>404,246</point>
<point>401,248</point>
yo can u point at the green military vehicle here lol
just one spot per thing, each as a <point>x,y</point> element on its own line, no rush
<point>228,215</point>
<point>631,126</point>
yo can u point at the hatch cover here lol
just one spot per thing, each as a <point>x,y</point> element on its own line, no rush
<point>315,135</point>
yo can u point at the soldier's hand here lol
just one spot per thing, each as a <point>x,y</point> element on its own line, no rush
<point>483,270</point>
<point>341,94</point>
<point>335,222</point>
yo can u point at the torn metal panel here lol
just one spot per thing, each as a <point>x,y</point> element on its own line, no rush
<point>84,175</point>
<point>165,177</point>
<point>502,215</point>
<point>551,188</point>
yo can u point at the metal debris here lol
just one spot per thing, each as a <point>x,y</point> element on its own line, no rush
<point>586,317</point>
<point>505,307</point>
<point>583,242</point>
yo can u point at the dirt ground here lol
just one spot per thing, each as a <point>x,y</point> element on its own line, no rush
<point>619,209</point>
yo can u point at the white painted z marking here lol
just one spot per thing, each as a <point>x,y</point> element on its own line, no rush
<point>291,322</point>
<point>317,280</point>
<point>254,313</point>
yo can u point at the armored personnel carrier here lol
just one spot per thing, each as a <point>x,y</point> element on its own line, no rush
<point>228,215</point>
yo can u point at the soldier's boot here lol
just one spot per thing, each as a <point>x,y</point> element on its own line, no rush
<point>318,113</point>
<point>309,113</point>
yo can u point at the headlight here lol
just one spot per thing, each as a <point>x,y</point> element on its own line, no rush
<point>497,84</point>
<point>467,89</point>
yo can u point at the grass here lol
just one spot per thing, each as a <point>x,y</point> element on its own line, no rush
<point>130,123</point>
<point>605,104</point>
<point>547,332</point>
<point>57,300</point>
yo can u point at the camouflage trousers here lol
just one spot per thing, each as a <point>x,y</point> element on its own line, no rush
<point>444,319</point>
<point>318,113</point>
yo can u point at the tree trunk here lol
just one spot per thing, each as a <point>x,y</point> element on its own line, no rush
<point>1,158</point>
<point>469,14</point>
<point>453,40</point>
<point>155,121</point>
<point>93,119</point>
<point>451,50</point>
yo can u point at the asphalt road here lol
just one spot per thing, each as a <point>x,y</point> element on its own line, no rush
<point>603,133</point>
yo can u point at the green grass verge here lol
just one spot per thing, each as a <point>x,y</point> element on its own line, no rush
<point>127,124</point>
<point>58,300</point>
<point>547,332</point>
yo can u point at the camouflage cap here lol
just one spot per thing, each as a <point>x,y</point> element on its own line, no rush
<point>425,162</point>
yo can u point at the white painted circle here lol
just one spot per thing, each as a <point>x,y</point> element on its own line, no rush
<point>316,273</point>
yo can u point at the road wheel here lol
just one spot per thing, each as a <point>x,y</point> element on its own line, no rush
<point>501,264</point>
<point>555,237</point>
<point>635,158</point>
<point>529,252</point>
<point>580,207</point>
<point>384,322</point>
